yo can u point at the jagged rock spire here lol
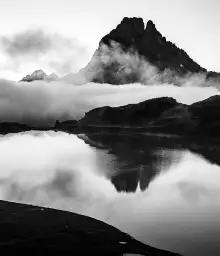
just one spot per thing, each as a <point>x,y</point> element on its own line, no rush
<point>149,44</point>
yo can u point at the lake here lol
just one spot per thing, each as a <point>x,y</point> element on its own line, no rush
<point>163,191</point>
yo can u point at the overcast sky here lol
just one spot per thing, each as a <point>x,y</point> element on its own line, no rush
<point>192,24</point>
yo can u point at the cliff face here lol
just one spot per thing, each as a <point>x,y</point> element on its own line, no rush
<point>131,36</point>
<point>149,43</point>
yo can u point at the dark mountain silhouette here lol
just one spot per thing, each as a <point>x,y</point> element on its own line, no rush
<point>133,37</point>
<point>137,159</point>
<point>138,115</point>
<point>160,115</point>
<point>144,44</point>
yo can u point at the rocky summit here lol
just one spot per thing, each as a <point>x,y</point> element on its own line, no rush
<point>39,75</point>
<point>123,53</point>
<point>133,52</point>
<point>149,43</point>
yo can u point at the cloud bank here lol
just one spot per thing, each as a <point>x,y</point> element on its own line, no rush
<point>31,42</point>
<point>44,102</point>
<point>38,48</point>
<point>58,169</point>
<point>113,63</point>
<point>41,102</point>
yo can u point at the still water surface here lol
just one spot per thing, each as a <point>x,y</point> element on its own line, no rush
<point>163,191</point>
<point>172,194</point>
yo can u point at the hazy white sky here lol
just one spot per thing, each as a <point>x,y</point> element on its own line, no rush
<point>192,24</point>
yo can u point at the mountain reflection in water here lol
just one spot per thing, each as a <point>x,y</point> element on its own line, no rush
<point>174,185</point>
<point>137,159</point>
<point>163,191</point>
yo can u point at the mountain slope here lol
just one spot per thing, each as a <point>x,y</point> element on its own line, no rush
<point>123,53</point>
<point>39,75</point>
<point>160,115</point>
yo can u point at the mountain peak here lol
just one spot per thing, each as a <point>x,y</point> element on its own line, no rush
<point>150,25</point>
<point>151,29</point>
<point>125,32</point>
<point>132,36</point>
<point>39,74</point>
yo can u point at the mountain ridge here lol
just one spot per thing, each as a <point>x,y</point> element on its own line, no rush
<point>159,115</point>
<point>127,51</point>
<point>133,37</point>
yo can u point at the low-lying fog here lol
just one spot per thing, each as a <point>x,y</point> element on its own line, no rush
<point>71,95</point>
<point>41,102</point>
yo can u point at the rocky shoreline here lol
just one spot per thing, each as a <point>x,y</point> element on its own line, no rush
<point>33,230</point>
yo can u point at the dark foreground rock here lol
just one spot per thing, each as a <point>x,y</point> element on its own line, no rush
<point>32,230</point>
